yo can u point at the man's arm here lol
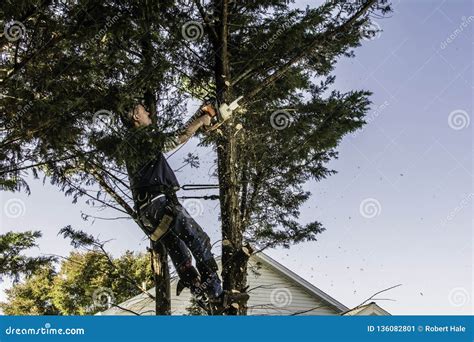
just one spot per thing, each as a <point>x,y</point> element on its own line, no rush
<point>190,129</point>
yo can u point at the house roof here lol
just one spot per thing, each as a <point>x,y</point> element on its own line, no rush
<point>370,309</point>
<point>296,278</point>
<point>142,303</point>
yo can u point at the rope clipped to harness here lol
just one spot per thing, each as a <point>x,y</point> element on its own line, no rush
<point>206,197</point>
<point>188,187</point>
<point>199,186</point>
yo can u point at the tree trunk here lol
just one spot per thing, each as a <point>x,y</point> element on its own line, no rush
<point>234,254</point>
<point>159,253</point>
<point>161,275</point>
<point>234,262</point>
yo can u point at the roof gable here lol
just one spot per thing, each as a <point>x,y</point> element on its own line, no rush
<point>370,309</point>
<point>313,290</point>
<point>273,289</point>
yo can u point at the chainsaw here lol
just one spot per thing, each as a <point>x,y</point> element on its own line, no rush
<point>223,113</point>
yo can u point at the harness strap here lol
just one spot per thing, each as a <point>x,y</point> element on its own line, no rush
<point>162,227</point>
<point>144,205</point>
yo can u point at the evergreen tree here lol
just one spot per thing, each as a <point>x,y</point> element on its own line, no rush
<point>78,66</point>
<point>13,263</point>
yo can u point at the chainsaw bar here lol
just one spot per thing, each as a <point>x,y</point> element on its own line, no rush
<point>224,113</point>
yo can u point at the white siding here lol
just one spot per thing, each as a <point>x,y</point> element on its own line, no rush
<point>271,293</point>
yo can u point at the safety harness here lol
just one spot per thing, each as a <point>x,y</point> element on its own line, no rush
<point>158,211</point>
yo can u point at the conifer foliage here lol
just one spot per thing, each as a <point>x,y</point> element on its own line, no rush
<point>71,69</point>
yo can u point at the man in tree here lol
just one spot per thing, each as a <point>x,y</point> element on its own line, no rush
<point>154,186</point>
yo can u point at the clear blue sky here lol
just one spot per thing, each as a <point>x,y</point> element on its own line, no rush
<point>412,164</point>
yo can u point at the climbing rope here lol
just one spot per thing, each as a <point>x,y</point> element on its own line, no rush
<point>188,187</point>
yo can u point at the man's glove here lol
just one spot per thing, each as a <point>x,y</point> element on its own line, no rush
<point>208,113</point>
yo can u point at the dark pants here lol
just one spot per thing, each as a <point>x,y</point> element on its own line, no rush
<point>184,238</point>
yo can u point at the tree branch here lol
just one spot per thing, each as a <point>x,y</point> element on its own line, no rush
<point>125,309</point>
<point>371,297</point>
<point>304,52</point>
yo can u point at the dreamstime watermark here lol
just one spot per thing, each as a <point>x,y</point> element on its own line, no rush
<point>14,30</point>
<point>463,204</point>
<point>194,207</point>
<point>203,287</point>
<point>192,30</point>
<point>103,298</point>
<point>458,119</point>
<point>14,208</point>
<point>372,117</point>
<point>280,119</point>
<point>370,208</point>
<point>281,297</point>
<point>103,116</point>
<point>46,330</point>
<point>372,31</point>
<point>63,2</point>
<point>455,211</point>
<point>285,26</point>
<point>22,110</point>
<point>458,297</point>
<point>101,33</point>
<point>452,37</point>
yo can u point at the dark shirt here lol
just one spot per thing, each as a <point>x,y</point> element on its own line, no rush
<point>148,168</point>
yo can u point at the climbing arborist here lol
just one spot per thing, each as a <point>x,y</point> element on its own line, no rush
<point>154,186</point>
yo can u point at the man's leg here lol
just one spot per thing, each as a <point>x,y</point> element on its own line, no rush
<point>152,217</point>
<point>189,231</point>
<point>182,261</point>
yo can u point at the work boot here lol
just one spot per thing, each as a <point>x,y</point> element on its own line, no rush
<point>228,299</point>
<point>188,277</point>
<point>211,286</point>
<point>193,287</point>
<point>210,282</point>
